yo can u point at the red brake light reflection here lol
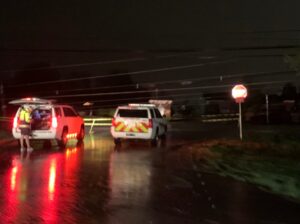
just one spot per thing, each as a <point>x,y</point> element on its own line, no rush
<point>13,178</point>
<point>52,178</point>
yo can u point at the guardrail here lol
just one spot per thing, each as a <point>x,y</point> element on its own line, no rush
<point>106,122</point>
<point>5,119</point>
<point>97,122</point>
<point>219,118</point>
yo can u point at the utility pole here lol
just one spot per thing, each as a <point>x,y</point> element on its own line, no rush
<point>267,109</point>
<point>240,120</point>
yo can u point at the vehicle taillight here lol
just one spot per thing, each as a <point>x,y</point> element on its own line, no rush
<point>113,122</point>
<point>15,122</point>
<point>150,123</point>
<point>54,122</point>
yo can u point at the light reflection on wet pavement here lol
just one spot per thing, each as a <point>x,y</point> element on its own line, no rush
<point>96,183</point>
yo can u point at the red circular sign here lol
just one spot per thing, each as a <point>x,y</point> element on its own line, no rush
<point>239,93</point>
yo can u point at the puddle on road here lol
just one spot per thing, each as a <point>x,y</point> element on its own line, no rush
<point>94,182</point>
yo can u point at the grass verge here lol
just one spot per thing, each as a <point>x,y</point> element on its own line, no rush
<point>272,166</point>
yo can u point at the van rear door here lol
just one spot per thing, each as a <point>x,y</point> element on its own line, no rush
<point>132,120</point>
<point>29,100</point>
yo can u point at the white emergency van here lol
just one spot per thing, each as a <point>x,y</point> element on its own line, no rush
<point>138,121</point>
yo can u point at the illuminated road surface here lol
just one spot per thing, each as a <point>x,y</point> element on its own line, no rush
<point>97,183</point>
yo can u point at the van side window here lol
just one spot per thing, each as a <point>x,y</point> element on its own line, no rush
<point>69,112</point>
<point>152,113</point>
<point>57,111</point>
<point>157,113</point>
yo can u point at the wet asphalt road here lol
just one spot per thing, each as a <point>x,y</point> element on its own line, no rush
<point>95,182</point>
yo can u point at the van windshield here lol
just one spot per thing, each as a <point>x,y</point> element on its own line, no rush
<point>133,113</point>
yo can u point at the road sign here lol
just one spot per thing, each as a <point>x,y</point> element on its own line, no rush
<point>239,93</point>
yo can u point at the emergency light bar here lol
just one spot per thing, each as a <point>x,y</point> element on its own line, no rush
<point>140,105</point>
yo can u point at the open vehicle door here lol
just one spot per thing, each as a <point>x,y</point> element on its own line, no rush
<point>30,100</point>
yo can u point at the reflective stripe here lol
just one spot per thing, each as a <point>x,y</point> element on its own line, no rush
<point>120,126</point>
<point>137,128</point>
<point>141,126</point>
<point>127,128</point>
<point>134,129</point>
<point>25,116</point>
<point>24,125</point>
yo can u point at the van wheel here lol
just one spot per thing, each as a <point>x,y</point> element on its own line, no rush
<point>81,134</point>
<point>64,140</point>
<point>117,141</point>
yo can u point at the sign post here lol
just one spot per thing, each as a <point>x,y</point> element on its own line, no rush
<point>89,105</point>
<point>239,93</point>
<point>267,108</point>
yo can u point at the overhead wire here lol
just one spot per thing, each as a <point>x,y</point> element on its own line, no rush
<point>139,98</point>
<point>217,77</point>
<point>164,90</point>
<point>73,65</point>
<point>160,90</point>
<point>116,61</point>
<point>122,74</point>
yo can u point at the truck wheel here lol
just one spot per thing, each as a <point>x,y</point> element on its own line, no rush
<point>64,140</point>
<point>80,135</point>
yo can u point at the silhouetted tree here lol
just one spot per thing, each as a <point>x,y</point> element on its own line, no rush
<point>289,92</point>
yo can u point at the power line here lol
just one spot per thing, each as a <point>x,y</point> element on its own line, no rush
<point>154,83</point>
<point>206,98</point>
<point>217,77</point>
<point>221,78</point>
<point>122,74</point>
<point>175,104</point>
<point>199,79</point>
<point>143,98</point>
<point>96,63</point>
<point>214,77</point>
<point>270,47</point>
<point>265,31</point>
<point>74,65</point>
<point>164,90</point>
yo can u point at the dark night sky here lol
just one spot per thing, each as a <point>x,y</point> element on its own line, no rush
<point>144,25</point>
<point>254,34</point>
